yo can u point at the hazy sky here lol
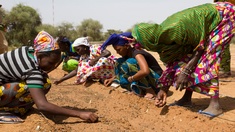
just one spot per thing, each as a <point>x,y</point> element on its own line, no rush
<point>112,14</point>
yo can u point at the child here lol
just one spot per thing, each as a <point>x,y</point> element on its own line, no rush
<point>69,57</point>
<point>24,80</point>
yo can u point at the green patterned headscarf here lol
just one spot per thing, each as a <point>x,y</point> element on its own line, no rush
<point>179,34</point>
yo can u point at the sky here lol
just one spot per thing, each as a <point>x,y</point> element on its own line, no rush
<point>112,14</point>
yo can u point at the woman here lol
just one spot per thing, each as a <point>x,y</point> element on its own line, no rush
<point>69,57</point>
<point>93,63</point>
<point>136,70</point>
<point>190,43</point>
<point>24,81</point>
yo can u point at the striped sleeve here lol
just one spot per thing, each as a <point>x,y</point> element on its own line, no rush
<point>34,79</point>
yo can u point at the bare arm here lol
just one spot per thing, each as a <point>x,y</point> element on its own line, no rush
<point>194,60</point>
<point>182,81</point>
<point>144,68</point>
<point>66,77</point>
<point>104,53</point>
<point>43,105</point>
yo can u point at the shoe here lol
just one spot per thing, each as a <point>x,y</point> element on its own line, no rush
<point>8,118</point>
<point>208,114</point>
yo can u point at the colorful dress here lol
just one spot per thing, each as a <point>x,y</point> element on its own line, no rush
<point>125,68</point>
<point>225,65</point>
<point>206,27</point>
<point>103,69</point>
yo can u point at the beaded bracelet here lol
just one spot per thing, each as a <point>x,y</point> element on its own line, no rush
<point>188,70</point>
<point>185,73</point>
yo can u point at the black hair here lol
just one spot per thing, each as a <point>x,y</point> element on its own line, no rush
<point>49,53</point>
<point>64,40</point>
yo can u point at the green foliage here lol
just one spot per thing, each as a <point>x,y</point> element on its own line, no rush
<point>111,31</point>
<point>91,28</point>
<point>23,24</point>
<point>68,30</point>
<point>2,15</point>
<point>20,21</point>
<point>48,28</point>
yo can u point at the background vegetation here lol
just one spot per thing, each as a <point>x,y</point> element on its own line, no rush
<point>22,23</point>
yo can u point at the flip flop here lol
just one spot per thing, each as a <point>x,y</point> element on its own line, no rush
<point>8,118</point>
<point>208,114</point>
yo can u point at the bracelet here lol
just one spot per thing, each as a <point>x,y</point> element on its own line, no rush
<point>132,78</point>
<point>188,70</point>
<point>185,73</point>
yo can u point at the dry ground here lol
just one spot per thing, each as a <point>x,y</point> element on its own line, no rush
<point>121,112</point>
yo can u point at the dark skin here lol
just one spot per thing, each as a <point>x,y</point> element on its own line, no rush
<point>181,82</point>
<point>126,51</point>
<point>38,95</point>
<point>64,47</point>
<point>83,50</point>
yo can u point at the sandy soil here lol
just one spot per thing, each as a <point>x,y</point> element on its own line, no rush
<point>121,112</point>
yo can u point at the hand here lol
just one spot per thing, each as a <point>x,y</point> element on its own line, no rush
<point>89,117</point>
<point>92,62</point>
<point>182,81</point>
<point>161,98</point>
<point>108,82</point>
<point>57,82</point>
<point>130,79</point>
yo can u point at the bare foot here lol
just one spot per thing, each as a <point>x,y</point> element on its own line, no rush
<point>182,102</point>
<point>150,94</point>
<point>185,100</point>
<point>214,108</point>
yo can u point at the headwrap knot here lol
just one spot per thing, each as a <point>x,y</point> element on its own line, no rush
<point>44,42</point>
<point>117,39</point>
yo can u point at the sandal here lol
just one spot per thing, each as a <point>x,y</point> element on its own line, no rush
<point>209,114</point>
<point>8,118</point>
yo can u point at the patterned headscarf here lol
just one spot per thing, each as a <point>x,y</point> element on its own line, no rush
<point>44,42</point>
<point>117,39</point>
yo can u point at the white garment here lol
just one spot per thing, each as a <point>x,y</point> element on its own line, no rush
<point>81,41</point>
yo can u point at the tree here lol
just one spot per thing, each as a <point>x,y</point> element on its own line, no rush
<point>48,28</point>
<point>111,31</point>
<point>91,28</point>
<point>22,22</point>
<point>68,30</point>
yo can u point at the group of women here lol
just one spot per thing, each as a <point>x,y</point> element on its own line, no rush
<point>190,43</point>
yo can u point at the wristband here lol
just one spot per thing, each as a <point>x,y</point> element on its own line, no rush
<point>132,79</point>
<point>188,70</point>
<point>185,73</point>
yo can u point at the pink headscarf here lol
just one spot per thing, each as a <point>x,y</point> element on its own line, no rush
<point>44,42</point>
